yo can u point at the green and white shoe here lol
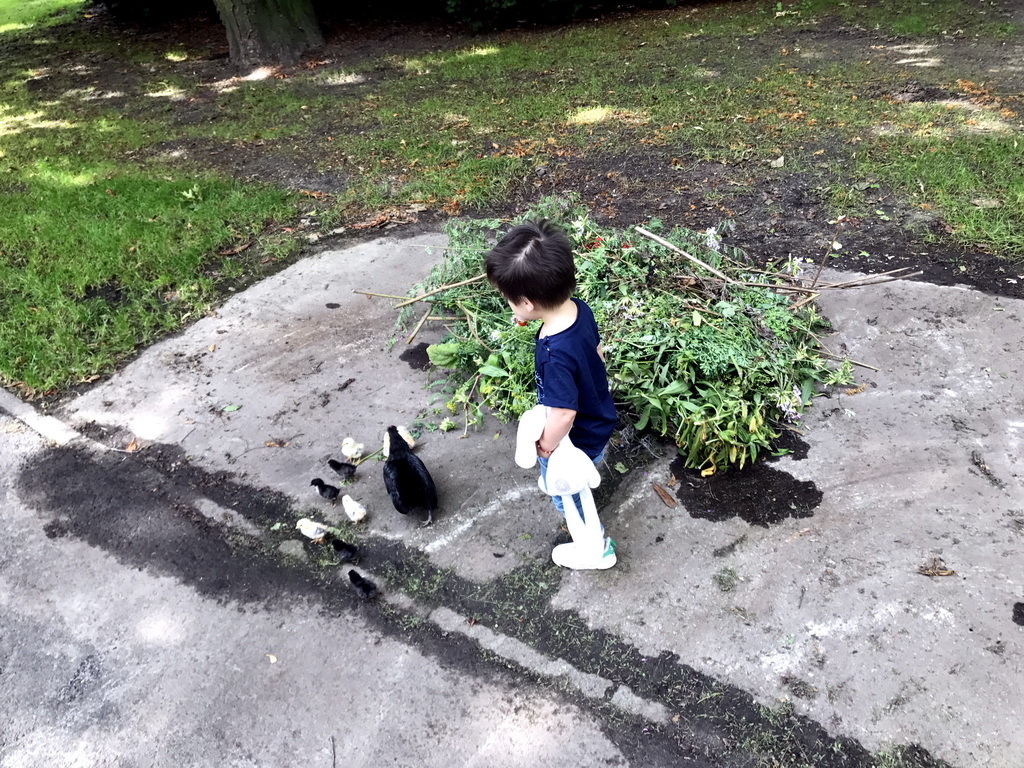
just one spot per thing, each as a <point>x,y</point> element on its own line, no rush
<point>578,558</point>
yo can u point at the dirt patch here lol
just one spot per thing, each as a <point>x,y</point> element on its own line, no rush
<point>416,357</point>
<point>761,494</point>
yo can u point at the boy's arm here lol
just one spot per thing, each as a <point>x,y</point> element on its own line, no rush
<point>557,426</point>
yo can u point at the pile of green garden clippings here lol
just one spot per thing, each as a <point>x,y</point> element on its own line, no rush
<point>717,367</point>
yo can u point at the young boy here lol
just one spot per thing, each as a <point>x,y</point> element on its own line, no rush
<point>532,267</point>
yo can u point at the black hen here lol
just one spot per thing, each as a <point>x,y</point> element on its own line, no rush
<point>407,479</point>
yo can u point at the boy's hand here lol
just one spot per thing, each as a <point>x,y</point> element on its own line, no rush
<point>557,426</point>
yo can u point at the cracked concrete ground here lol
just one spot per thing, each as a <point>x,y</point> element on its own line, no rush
<point>829,612</point>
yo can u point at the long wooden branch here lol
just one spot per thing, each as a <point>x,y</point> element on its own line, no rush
<point>862,282</point>
<point>681,252</point>
<point>422,296</point>
<point>419,325</point>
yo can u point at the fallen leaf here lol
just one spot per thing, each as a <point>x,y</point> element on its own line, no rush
<point>133,446</point>
<point>986,202</point>
<point>936,567</point>
<point>229,408</point>
<point>708,472</point>
<point>277,443</point>
<point>378,221</point>
<point>236,249</point>
<point>212,347</point>
<point>665,495</point>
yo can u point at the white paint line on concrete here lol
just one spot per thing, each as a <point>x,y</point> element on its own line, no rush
<point>224,516</point>
<point>590,685</point>
<point>496,505</point>
<point>47,427</point>
<point>626,700</point>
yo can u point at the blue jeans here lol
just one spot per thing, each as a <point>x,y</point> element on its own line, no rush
<point>557,500</point>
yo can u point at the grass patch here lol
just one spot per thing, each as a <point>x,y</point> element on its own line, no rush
<point>976,182</point>
<point>19,15</point>
<point>138,259</point>
<point>453,130</point>
<point>912,18</point>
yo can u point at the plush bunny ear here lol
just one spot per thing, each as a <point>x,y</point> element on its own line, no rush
<point>531,425</point>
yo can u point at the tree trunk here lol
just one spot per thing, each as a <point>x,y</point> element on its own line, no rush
<point>266,32</point>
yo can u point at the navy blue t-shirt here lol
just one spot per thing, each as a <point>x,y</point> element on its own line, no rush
<point>571,374</point>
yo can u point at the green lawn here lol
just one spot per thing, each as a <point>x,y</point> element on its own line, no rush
<point>117,228</point>
<point>17,15</point>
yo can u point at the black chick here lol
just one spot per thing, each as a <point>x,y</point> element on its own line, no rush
<point>365,588</point>
<point>344,469</point>
<point>347,553</point>
<point>328,492</point>
<point>407,479</point>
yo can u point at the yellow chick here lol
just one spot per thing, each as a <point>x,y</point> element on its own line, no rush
<point>353,508</point>
<point>312,530</point>
<point>352,450</point>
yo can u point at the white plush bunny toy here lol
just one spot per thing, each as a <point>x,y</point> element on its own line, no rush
<point>570,471</point>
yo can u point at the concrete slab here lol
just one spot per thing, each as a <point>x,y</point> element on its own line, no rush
<point>831,612</point>
<point>104,663</point>
<point>300,358</point>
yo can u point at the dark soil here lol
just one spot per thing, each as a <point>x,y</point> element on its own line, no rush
<point>760,494</point>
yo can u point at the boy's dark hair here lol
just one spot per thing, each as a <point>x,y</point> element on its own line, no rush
<point>533,262</point>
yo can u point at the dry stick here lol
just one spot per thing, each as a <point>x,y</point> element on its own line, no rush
<point>797,288</point>
<point>382,295</point>
<point>442,288</point>
<point>804,300</point>
<point>846,359</point>
<point>865,277</point>
<point>681,252</point>
<point>419,325</point>
<point>865,281</point>
<point>831,247</point>
<point>821,343</point>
